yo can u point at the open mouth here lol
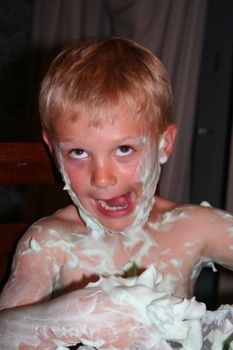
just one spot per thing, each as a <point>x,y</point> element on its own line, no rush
<point>117,206</point>
<point>112,206</point>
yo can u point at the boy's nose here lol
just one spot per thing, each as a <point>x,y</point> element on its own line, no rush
<point>103,176</point>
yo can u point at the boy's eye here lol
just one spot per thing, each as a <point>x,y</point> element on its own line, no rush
<point>78,154</point>
<point>124,150</point>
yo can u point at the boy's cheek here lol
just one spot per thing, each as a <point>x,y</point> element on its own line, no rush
<point>138,187</point>
<point>76,175</point>
<point>74,167</point>
<point>147,163</point>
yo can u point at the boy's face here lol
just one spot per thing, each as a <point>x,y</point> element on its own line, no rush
<point>111,169</point>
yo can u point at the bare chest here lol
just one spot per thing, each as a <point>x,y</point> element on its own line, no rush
<point>113,254</point>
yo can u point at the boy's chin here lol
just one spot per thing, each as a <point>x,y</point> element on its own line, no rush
<point>94,219</point>
<point>117,225</point>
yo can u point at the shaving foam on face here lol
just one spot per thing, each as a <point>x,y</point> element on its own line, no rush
<point>89,220</point>
<point>148,174</point>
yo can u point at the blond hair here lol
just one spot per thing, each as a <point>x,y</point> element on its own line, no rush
<point>99,74</point>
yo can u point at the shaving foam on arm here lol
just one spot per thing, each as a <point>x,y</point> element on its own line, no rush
<point>88,316</point>
<point>113,313</point>
<point>217,228</point>
<point>33,274</point>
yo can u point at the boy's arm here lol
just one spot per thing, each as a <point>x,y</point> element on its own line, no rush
<point>217,228</point>
<point>86,315</point>
<point>29,319</point>
<point>32,275</point>
<point>114,313</point>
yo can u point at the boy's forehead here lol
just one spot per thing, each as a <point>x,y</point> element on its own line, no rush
<point>120,124</point>
<point>116,117</point>
<point>113,115</point>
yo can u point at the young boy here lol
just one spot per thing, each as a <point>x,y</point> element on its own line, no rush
<point>105,108</point>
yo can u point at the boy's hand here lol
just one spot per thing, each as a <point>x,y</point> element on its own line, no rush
<point>88,316</point>
<point>114,313</point>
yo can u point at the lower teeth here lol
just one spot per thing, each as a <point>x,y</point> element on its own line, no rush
<point>107,207</point>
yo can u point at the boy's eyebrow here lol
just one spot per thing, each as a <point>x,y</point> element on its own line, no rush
<point>140,139</point>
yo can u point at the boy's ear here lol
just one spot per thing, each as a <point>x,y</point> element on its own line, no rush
<point>167,142</point>
<point>47,140</point>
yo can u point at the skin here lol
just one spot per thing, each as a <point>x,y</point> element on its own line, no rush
<point>110,169</point>
<point>63,254</point>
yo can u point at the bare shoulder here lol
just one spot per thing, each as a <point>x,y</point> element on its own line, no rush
<point>206,214</point>
<point>208,228</point>
<point>193,219</point>
<point>163,205</point>
<point>203,211</point>
<point>68,215</point>
<point>59,224</point>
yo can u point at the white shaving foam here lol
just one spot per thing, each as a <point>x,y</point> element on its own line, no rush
<point>147,173</point>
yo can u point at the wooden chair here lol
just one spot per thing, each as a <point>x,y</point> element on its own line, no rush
<point>20,164</point>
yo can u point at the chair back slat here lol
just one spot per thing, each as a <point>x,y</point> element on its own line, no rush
<point>20,164</point>
<point>9,235</point>
<point>24,163</point>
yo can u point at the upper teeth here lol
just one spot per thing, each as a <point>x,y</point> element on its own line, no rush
<point>107,207</point>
